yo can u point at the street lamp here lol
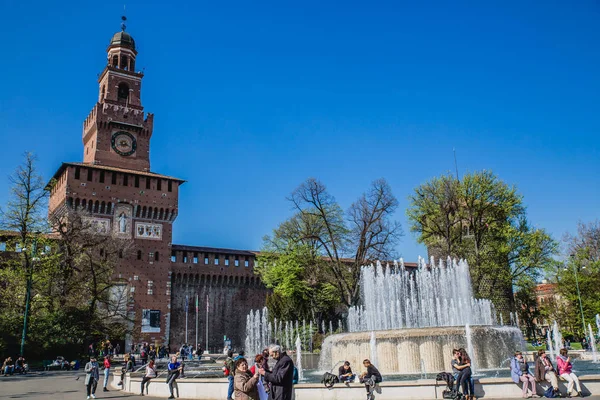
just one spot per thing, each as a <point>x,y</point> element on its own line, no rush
<point>578,292</point>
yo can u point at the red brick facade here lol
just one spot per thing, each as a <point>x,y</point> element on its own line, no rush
<point>115,186</point>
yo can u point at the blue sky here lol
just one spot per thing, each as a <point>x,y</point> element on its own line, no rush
<point>251,98</point>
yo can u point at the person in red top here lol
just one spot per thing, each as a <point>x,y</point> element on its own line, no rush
<point>259,359</point>
<point>106,371</point>
<point>565,370</point>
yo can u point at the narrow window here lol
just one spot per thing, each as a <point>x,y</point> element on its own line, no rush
<point>90,174</point>
<point>137,181</point>
<point>184,257</point>
<point>246,262</point>
<point>125,180</point>
<point>113,179</point>
<point>120,253</point>
<point>227,262</point>
<point>158,184</point>
<point>147,183</point>
<point>173,256</point>
<point>101,176</point>
<point>195,258</point>
<point>2,246</point>
<point>236,262</point>
<point>156,256</point>
<point>217,259</point>
<point>139,255</point>
<point>170,186</point>
<point>77,172</point>
<point>206,260</point>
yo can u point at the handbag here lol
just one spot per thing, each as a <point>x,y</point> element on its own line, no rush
<point>262,392</point>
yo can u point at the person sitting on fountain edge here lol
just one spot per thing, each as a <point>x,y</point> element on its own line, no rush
<point>370,378</point>
<point>345,373</point>
<point>544,371</point>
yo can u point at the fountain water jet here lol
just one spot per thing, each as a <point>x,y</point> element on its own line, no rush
<point>593,344</point>
<point>299,358</point>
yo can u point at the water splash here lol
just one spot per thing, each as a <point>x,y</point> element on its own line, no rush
<point>470,348</point>
<point>299,358</point>
<point>373,345</point>
<point>593,344</point>
<point>430,296</point>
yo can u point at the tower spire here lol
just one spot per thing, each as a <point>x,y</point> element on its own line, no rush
<point>123,19</point>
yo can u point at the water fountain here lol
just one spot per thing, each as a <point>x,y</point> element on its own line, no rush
<point>299,358</point>
<point>416,317</point>
<point>550,346</point>
<point>593,344</point>
<point>557,338</point>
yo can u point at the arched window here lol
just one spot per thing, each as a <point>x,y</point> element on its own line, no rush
<point>115,61</point>
<point>123,91</point>
<point>124,60</point>
<point>132,64</point>
<point>103,207</point>
<point>144,212</point>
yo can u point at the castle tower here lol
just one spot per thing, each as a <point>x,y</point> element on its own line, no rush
<point>118,193</point>
<point>116,132</point>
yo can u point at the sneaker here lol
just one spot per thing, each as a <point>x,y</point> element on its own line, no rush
<point>93,396</point>
<point>88,398</point>
<point>171,397</point>
<point>105,390</point>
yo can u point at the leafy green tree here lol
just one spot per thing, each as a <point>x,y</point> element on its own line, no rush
<point>582,267</point>
<point>481,219</point>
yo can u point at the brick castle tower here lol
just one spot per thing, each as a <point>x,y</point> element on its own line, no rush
<point>115,187</point>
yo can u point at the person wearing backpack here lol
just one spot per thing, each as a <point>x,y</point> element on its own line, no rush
<point>229,371</point>
<point>544,371</point>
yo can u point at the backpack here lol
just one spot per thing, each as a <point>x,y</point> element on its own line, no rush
<point>229,366</point>
<point>329,380</point>
<point>549,393</point>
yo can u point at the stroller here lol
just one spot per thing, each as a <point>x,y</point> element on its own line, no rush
<point>450,392</point>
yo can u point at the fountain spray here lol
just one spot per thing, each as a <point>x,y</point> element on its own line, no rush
<point>470,347</point>
<point>593,344</point>
<point>373,345</point>
<point>299,358</point>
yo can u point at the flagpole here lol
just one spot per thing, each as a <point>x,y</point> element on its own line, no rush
<point>206,324</point>
<point>186,320</point>
<point>197,326</point>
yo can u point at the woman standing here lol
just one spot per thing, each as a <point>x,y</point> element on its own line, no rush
<point>565,370</point>
<point>150,373</point>
<point>519,372</point>
<point>91,377</point>
<point>243,382</point>
<point>106,372</point>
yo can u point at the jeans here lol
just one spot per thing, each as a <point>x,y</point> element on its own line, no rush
<point>173,383</point>
<point>348,378</point>
<point>91,386</point>
<point>464,381</point>
<point>8,370</point>
<point>144,380</point>
<point>106,375</point>
<point>471,382</point>
<point>230,389</point>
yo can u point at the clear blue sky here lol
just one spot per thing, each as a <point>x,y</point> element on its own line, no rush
<point>251,98</point>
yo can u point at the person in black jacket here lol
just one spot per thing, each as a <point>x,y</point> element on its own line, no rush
<point>370,378</point>
<point>282,375</point>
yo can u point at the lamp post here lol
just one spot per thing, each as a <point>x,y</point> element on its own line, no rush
<point>29,272</point>
<point>578,292</point>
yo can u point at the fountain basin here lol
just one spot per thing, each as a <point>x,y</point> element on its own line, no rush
<point>422,350</point>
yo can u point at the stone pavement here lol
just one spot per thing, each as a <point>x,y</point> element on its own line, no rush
<point>63,385</point>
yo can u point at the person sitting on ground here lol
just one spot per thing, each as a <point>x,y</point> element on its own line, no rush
<point>244,382</point>
<point>370,378</point>
<point>150,373</point>
<point>565,370</point>
<point>345,373</point>
<point>544,371</point>
<point>519,372</point>
<point>8,367</point>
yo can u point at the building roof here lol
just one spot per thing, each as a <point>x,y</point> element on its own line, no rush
<point>202,249</point>
<point>107,168</point>
<point>123,39</point>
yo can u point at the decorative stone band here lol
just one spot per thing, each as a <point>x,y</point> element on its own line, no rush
<point>216,389</point>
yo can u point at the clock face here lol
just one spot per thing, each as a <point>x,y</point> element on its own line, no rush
<point>123,143</point>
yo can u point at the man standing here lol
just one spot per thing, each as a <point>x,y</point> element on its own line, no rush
<point>282,375</point>
<point>229,367</point>
<point>91,377</point>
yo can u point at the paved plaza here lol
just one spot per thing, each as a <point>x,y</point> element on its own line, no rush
<point>59,385</point>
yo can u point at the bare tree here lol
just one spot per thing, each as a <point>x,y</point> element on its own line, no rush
<point>364,234</point>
